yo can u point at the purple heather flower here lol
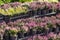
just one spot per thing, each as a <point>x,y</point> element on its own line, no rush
<point>58,15</point>
<point>7,28</point>
<point>31,24</point>
<point>40,37</point>
<point>25,28</point>
<point>58,21</point>
<point>30,38</point>
<point>34,37</point>
<point>43,24</point>
<point>51,35</point>
<point>6,6</point>
<point>58,36</point>
<point>45,37</point>
<point>15,4</point>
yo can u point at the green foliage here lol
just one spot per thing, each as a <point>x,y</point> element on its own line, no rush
<point>14,0</point>
<point>25,1</point>
<point>49,25</point>
<point>12,32</point>
<point>1,2</point>
<point>6,1</point>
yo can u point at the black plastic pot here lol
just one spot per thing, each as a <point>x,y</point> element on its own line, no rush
<point>57,30</point>
<point>20,35</point>
<point>6,35</point>
<point>50,10</point>
<point>43,12</point>
<point>6,18</point>
<point>58,11</point>
<point>34,12</point>
<point>52,30</point>
<point>13,38</point>
<point>39,12</point>
<point>32,32</point>
<point>1,16</point>
<point>26,34</point>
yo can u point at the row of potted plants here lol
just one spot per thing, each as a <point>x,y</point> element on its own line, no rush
<point>9,1</point>
<point>34,7</point>
<point>50,36</point>
<point>30,26</point>
<point>12,8</point>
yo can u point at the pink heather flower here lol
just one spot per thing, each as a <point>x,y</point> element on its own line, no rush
<point>34,37</point>
<point>25,28</point>
<point>15,4</point>
<point>53,21</point>
<point>40,37</point>
<point>2,31</point>
<point>43,24</point>
<point>53,17</point>
<point>51,35</point>
<point>58,15</point>
<point>3,22</point>
<point>30,38</point>
<point>10,23</point>
<point>18,20</point>
<point>31,24</point>
<point>58,36</point>
<point>45,37</point>
<point>46,18</point>
<point>6,6</point>
<point>58,21</point>
<point>7,28</point>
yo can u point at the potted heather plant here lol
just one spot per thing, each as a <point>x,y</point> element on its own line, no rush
<point>6,35</point>
<point>43,9</point>
<point>50,26</point>
<point>39,8</point>
<point>13,34</point>
<point>33,31</point>
<point>40,30</point>
<point>21,33</point>
<point>33,7</point>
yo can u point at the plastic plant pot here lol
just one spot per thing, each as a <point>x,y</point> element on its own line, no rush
<point>34,12</point>
<point>39,12</point>
<point>43,12</point>
<point>20,35</point>
<point>57,30</point>
<point>1,17</point>
<point>26,34</point>
<point>32,32</point>
<point>54,30</point>
<point>13,38</point>
<point>6,35</point>
<point>6,38</point>
<point>46,31</point>
<point>58,11</point>
<point>50,29</point>
<point>29,13</point>
<point>50,10</point>
<point>6,18</point>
